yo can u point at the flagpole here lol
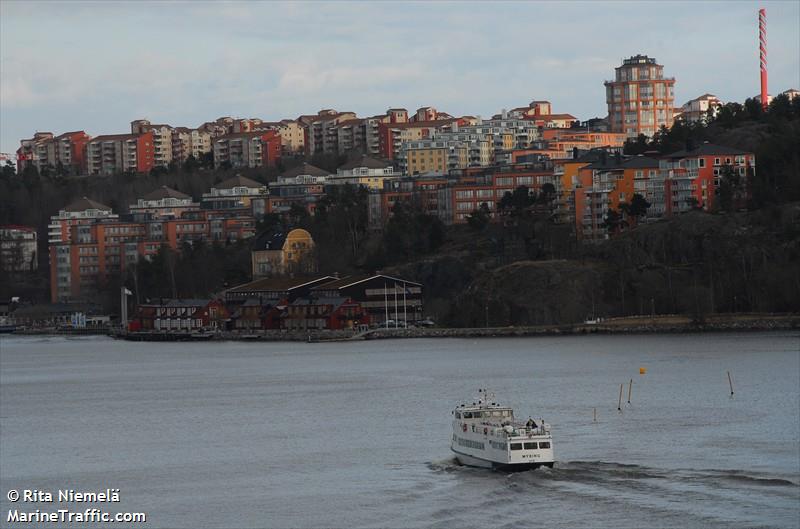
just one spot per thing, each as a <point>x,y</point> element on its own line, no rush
<point>396,317</point>
<point>405,312</point>
<point>386,306</point>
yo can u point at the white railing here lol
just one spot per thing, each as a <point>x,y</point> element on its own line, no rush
<point>519,429</point>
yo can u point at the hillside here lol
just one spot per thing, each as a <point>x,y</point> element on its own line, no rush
<point>694,264</point>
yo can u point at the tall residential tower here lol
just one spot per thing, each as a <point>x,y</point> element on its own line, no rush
<point>640,99</point>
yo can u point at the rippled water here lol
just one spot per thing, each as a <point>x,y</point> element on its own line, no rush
<point>357,434</point>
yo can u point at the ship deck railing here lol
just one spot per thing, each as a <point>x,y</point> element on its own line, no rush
<point>521,429</point>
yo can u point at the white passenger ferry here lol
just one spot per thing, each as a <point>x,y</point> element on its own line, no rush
<point>485,434</point>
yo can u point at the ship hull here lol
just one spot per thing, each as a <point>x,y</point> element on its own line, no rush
<point>472,461</point>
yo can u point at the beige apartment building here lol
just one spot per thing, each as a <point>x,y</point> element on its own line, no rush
<point>186,142</point>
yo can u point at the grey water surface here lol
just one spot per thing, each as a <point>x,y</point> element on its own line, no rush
<point>237,434</point>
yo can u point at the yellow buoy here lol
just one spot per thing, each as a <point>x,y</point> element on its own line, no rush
<point>642,370</point>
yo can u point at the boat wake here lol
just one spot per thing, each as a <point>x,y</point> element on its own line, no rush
<point>598,472</point>
<point>449,464</point>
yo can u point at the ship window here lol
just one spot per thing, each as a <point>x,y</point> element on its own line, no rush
<point>468,415</point>
<point>516,446</point>
<point>544,445</point>
<point>530,446</point>
<point>477,414</point>
<point>458,415</point>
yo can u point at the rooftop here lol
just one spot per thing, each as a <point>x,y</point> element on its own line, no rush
<point>280,284</point>
<point>305,169</point>
<point>706,149</point>
<point>237,181</point>
<point>82,204</point>
<point>165,192</point>
<point>366,161</point>
<point>345,282</point>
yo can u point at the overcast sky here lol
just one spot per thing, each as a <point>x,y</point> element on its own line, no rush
<point>97,66</point>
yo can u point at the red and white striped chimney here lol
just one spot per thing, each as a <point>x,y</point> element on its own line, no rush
<point>762,49</point>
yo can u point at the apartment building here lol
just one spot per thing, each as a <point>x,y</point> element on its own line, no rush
<point>247,149</point>
<point>460,198</point>
<point>190,142</point>
<point>534,109</point>
<point>422,191</point>
<point>606,183</point>
<point>162,140</point>
<point>63,154</point>
<point>322,132</point>
<point>561,143</point>
<point>18,249</point>
<point>701,108</point>
<point>89,244</point>
<point>445,151</point>
<point>292,189</point>
<point>292,136</point>
<point>120,153</point>
<point>237,193</point>
<point>364,171</point>
<point>30,152</point>
<point>394,135</point>
<point>702,169</point>
<point>640,99</point>
<point>73,224</point>
<point>524,131</point>
<point>164,202</point>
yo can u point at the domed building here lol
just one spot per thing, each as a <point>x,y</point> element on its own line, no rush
<point>281,253</point>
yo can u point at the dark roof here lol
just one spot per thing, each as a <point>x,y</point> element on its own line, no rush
<point>593,155</point>
<point>237,181</point>
<point>165,192</point>
<point>550,117</point>
<point>610,164</point>
<point>706,149</point>
<point>258,302</point>
<point>202,302</point>
<point>353,121</point>
<point>82,204</point>
<point>352,280</point>
<point>305,169</point>
<point>640,161</point>
<point>366,161</point>
<point>279,284</point>
<point>67,134</point>
<point>114,137</point>
<point>335,302</point>
<point>269,241</point>
<point>421,124</point>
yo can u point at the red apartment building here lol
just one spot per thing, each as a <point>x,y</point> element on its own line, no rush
<point>703,167</point>
<point>120,153</point>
